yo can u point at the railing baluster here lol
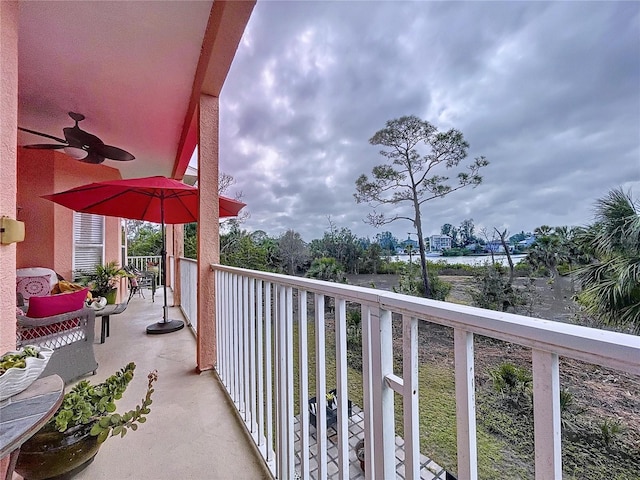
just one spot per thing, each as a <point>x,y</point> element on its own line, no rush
<point>246,401</point>
<point>465,405</point>
<point>303,362</point>
<point>236,342</point>
<point>281,383</point>
<point>252,355</point>
<point>341,387</point>
<point>230,347</point>
<point>268,339</point>
<point>367,386</point>
<point>410,397</point>
<point>288,337</point>
<point>321,389</point>
<point>260,362</point>
<point>382,365</point>
<point>219,323</point>
<point>223,319</point>
<point>546,415</point>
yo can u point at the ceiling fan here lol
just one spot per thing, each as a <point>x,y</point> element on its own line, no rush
<point>81,145</point>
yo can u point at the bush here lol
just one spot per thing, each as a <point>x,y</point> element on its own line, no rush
<point>354,338</point>
<point>410,283</point>
<point>328,269</point>
<point>455,252</point>
<point>513,383</point>
<point>391,268</point>
<point>523,269</point>
<point>493,290</point>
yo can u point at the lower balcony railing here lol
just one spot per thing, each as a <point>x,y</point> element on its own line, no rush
<point>189,290</point>
<point>145,263</point>
<point>277,333</point>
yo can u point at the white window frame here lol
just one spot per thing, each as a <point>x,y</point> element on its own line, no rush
<point>77,216</point>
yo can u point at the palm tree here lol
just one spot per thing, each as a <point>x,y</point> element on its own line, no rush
<point>572,252</point>
<point>611,283</point>
<point>543,231</point>
<point>547,252</point>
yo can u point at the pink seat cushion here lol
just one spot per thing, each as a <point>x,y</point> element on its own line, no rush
<point>33,286</point>
<point>40,307</point>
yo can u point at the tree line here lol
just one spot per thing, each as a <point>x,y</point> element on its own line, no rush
<point>603,258</point>
<point>424,164</point>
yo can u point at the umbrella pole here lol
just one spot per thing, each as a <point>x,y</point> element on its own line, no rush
<point>166,326</point>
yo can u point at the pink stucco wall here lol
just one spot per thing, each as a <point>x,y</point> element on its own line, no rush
<point>49,227</point>
<point>8,141</point>
<point>208,230</point>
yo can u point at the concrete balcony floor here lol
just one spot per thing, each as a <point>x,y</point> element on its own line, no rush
<point>192,431</point>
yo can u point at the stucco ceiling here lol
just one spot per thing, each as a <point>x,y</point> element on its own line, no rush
<point>129,67</point>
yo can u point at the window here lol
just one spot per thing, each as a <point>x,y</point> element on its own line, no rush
<point>88,241</point>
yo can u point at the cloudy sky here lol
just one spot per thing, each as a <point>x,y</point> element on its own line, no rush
<point>548,92</point>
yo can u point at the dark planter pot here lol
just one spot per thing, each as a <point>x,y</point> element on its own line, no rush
<point>332,411</point>
<point>50,455</point>
<point>110,295</point>
<point>359,448</point>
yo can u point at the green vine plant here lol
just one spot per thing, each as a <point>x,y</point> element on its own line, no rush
<point>86,404</point>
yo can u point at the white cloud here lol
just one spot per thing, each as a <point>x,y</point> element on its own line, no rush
<point>552,102</point>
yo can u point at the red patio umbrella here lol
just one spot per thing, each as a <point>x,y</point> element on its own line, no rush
<point>154,199</point>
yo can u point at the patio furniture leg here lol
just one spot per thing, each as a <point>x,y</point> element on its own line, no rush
<point>13,459</point>
<point>104,331</point>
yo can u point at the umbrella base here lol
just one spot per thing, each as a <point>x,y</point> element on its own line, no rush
<point>165,327</point>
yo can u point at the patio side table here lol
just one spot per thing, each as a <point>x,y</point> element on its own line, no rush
<point>25,413</point>
<point>105,313</point>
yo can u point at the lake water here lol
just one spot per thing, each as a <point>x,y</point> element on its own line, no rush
<point>467,260</point>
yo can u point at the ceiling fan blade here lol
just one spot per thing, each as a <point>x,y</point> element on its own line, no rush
<point>93,158</point>
<point>46,135</point>
<point>112,153</point>
<point>45,146</point>
<point>76,137</point>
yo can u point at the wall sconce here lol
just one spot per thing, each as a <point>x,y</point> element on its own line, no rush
<point>11,231</point>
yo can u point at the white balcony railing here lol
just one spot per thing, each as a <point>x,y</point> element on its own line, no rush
<point>189,290</point>
<point>143,263</point>
<point>258,313</point>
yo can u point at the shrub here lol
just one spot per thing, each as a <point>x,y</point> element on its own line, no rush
<point>493,291</point>
<point>410,283</point>
<point>610,430</point>
<point>513,383</point>
<point>354,338</point>
<point>326,268</point>
<point>522,269</point>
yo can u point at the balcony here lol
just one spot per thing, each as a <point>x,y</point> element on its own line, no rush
<point>245,420</point>
<point>192,430</point>
<point>271,359</point>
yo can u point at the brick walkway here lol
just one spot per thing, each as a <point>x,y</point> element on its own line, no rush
<point>429,470</point>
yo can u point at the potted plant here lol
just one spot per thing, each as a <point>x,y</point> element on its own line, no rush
<point>104,280</point>
<point>331,408</point>
<point>86,418</point>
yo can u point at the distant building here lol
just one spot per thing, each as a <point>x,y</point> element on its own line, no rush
<point>437,243</point>
<point>527,242</point>
<point>494,246</point>
<point>402,249</point>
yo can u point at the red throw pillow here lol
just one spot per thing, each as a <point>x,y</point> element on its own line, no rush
<point>40,307</point>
